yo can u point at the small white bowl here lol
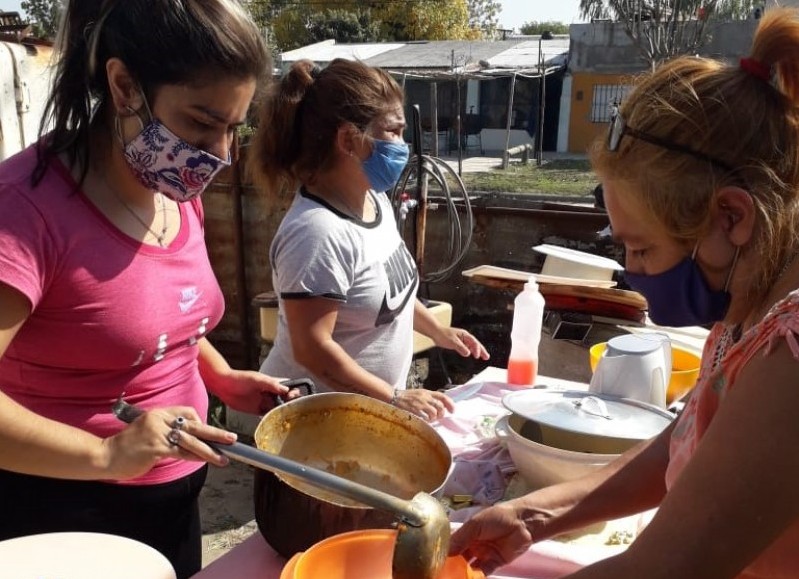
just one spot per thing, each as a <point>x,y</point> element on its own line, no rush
<point>571,263</point>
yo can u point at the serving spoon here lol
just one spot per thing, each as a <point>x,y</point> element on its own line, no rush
<point>423,528</point>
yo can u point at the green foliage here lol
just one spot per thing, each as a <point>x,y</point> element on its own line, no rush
<point>483,15</point>
<point>425,20</point>
<point>556,177</point>
<point>537,28</point>
<point>343,26</point>
<point>290,24</point>
<point>43,16</point>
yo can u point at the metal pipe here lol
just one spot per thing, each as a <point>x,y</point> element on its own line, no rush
<point>505,156</point>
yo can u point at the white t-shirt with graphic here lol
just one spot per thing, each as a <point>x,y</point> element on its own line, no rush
<point>320,252</point>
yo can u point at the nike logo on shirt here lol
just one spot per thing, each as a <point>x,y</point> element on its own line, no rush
<point>402,280</point>
<point>188,297</point>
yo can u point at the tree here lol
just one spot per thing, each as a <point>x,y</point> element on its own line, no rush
<point>290,23</point>
<point>662,29</point>
<point>425,20</point>
<point>43,16</point>
<point>343,26</point>
<point>483,15</point>
<point>538,28</point>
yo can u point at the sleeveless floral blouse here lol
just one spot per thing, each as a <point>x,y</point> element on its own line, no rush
<point>722,361</point>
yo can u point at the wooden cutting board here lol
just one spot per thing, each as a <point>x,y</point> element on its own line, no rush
<point>624,297</point>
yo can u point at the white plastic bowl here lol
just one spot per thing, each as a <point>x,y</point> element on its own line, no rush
<point>541,465</point>
<point>81,556</point>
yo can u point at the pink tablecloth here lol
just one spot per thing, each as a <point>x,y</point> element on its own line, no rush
<point>479,470</point>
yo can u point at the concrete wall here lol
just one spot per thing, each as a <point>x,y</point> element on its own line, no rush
<point>605,48</point>
<point>602,54</point>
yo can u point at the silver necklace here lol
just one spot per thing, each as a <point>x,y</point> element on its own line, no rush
<point>159,237</point>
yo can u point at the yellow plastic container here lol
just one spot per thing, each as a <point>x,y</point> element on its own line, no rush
<point>684,369</point>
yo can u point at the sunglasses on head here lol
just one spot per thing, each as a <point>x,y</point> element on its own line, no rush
<point>619,128</point>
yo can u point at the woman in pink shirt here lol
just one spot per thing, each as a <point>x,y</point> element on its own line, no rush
<point>105,285</point>
<point>700,172</point>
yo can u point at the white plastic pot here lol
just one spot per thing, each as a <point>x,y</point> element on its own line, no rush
<point>541,465</point>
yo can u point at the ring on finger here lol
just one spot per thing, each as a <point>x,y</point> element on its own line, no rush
<point>179,423</point>
<point>173,437</point>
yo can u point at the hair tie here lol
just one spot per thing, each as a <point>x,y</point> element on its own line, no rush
<point>756,68</point>
<point>316,71</point>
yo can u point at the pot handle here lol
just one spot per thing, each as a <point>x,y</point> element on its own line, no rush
<point>502,429</point>
<point>299,384</point>
<point>600,410</point>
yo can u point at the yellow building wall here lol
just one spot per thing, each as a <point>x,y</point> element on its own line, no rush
<point>582,131</point>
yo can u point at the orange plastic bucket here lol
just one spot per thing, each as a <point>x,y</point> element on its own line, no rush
<point>361,555</point>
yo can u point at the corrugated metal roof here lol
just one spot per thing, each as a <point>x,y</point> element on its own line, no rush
<point>436,57</point>
<point>439,54</point>
<point>328,50</point>
<point>525,54</point>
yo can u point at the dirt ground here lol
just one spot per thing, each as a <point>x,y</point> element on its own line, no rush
<point>226,506</point>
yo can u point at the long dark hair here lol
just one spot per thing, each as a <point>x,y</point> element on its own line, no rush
<point>160,42</point>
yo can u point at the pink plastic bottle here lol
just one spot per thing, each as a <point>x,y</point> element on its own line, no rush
<point>528,317</point>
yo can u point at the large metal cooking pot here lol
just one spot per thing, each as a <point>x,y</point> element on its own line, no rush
<point>355,437</point>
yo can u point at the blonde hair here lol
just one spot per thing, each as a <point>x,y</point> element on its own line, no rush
<point>299,119</point>
<point>727,113</point>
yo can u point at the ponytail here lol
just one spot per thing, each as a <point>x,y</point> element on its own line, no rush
<point>776,47</point>
<point>277,145</point>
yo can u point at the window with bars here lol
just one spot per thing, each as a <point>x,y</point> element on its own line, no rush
<point>605,96</point>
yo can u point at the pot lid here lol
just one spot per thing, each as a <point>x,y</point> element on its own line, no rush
<point>588,413</point>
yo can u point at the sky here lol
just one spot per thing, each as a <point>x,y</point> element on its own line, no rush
<point>13,6</point>
<point>517,12</point>
<point>514,12</point>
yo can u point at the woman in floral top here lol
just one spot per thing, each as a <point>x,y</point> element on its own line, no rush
<point>700,172</point>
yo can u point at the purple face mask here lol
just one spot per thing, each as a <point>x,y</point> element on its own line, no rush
<point>680,296</point>
<point>164,162</point>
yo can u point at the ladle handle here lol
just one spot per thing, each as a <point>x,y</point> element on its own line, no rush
<point>327,481</point>
<point>319,478</point>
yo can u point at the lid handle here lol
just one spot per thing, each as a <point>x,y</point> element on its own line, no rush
<point>600,410</point>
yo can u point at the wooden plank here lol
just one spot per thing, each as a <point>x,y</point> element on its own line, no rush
<point>624,297</point>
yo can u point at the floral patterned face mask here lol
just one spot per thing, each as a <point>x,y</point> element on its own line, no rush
<point>164,162</point>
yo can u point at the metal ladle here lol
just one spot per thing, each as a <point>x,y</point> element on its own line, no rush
<point>423,529</point>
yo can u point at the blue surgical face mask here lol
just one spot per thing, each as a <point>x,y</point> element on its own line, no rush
<point>680,296</point>
<point>384,166</point>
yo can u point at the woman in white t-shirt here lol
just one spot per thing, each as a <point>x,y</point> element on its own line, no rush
<point>345,280</point>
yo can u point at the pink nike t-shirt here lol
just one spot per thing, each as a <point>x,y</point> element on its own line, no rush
<point>110,315</point>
